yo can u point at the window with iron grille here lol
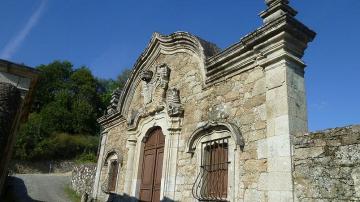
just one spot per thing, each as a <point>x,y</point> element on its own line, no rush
<point>212,181</point>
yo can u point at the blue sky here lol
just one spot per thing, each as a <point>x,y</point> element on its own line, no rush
<point>108,36</point>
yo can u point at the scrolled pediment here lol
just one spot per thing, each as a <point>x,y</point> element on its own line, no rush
<point>178,42</point>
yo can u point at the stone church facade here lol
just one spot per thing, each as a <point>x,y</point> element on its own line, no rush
<point>194,123</point>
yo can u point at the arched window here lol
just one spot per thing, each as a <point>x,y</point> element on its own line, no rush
<point>215,144</point>
<point>112,164</point>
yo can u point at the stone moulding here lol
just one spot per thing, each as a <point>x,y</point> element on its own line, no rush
<point>214,126</point>
<point>113,152</point>
<point>173,43</point>
<point>110,120</point>
<point>232,58</point>
<point>219,65</point>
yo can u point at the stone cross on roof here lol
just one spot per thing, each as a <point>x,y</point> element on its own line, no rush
<point>276,9</point>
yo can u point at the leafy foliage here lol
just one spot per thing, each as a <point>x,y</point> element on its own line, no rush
<point>62,123</point>
<point>64,146</point>
<point>89,157</point>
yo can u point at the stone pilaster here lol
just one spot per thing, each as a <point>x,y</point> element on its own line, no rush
<point>131,145</point>
<point>102,145</point>
<point>172,147</point>
<point>286,112</point>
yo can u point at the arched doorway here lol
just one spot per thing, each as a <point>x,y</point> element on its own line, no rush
<point>152,166</point>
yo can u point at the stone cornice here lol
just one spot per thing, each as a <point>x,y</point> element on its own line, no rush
<point>287,35</point>
<point>244,53</point>
<point>111,120</point>
<point>18,69</point>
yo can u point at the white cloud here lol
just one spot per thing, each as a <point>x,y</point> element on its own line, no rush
<point>12,46</point>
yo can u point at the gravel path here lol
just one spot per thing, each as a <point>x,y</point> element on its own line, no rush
<point>40,187</point>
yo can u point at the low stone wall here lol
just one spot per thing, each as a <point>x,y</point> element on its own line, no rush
<point>82,179</point>
<point>327,165</point>
<point>23,167</point>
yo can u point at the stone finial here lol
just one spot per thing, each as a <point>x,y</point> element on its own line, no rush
<point>270,2</point>
<point>115,96</point>
<point>276,9</point>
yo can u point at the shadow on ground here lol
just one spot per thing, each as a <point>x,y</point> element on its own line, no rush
<point>127,198</point>
<point>16,191</point>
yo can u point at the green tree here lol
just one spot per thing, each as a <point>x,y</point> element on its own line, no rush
<point>123,77</point>
<point>107,86</point>
<point>67,103</point>
<point>53,78</point>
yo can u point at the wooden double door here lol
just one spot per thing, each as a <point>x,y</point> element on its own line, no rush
<point>152,166</point>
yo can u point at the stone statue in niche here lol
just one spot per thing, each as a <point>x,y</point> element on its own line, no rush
<point>174,107</point>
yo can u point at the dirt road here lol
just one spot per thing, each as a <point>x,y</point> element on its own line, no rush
<point>40,187</point>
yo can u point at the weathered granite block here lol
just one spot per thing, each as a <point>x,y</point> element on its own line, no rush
<point>327,164</point>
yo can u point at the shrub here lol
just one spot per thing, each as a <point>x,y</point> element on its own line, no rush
<point>64,146</point>
<point>86,158</point>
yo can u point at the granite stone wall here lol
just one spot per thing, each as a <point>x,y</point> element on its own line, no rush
<point>252,93</point>
<point>82,179</point>
<point>327,165</point>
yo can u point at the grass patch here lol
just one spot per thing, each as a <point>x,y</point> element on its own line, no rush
<point>72,195</point>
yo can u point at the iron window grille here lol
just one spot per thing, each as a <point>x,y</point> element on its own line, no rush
<point>212,181</point>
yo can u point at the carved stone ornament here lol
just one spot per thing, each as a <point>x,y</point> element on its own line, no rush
<point>146,75</point>
<point>174,107</point>
<point>219,112</point>
<point>154,88</point>
<point>115,96</point>
<point>156,96</point>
